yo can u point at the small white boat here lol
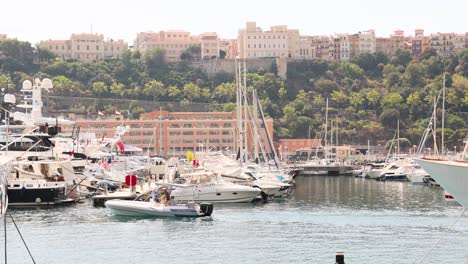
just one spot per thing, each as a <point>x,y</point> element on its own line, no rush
<point>140,208</point>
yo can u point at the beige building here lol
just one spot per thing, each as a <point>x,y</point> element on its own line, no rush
<point>209,45</point>
<point>323,47</point>
<point>443,43</point>
<point>279,42</point>
<point>342,47</point>
<point>175,42</point>
<point>307,48</point>
<point>86,47</point>
<point>230,47</point>
<point>3,37</point>
<point>459,43</point>
<point>366,42</point>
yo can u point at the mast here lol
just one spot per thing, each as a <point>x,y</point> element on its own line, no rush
<point>436,151</point>
<point>326,129</point>
<point>255,124</point>
<point>398,137</point>
<point>246,119</point>
<point>239,113</point>
<point>443,118</point>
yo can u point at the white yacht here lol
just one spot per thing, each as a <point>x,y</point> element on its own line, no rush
<point>452,175</point>
<point>205,186</point>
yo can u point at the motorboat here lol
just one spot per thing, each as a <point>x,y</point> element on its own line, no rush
<point>205,186</point>
<point>452,175</point>
<point>151,208</point>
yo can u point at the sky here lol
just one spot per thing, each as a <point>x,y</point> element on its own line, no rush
<point>33,20</point>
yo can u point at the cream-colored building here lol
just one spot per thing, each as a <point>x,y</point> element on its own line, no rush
<point>209,45</point>
<point>307,48</point>
<point>342,47</point>
<point>279,42</point>
<point>367,42</point>
<point>3,37</point>
<point>86,47</point>
<point>459,43</point>
<point>175,42</point>
<point>230,47</point>
<point>324,47</point>
<point>443,43</point>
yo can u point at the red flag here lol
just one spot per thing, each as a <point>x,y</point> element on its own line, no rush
<point>121,147</point>
<point>72,154</point>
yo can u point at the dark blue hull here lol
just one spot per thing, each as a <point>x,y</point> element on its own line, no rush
<point>36,196</point>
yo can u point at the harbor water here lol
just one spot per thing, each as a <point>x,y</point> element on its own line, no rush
<point>370,221</point>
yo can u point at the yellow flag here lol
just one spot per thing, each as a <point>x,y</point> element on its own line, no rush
<point>190,156</point>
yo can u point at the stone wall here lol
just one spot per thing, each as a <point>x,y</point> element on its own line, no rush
<point>212,67</point>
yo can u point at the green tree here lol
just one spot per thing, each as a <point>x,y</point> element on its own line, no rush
<point>356,100</point>
<point>191,91</point>
<point>100,88</point>
<point>155,89</point>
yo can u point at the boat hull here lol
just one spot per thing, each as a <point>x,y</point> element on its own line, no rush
<point>36,196</point>
<point>139,208</point>
<point>451,175</point>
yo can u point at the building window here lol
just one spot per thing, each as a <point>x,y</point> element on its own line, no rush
<point>87,47</point>
<point>78,47</point>
<point>97,47</point>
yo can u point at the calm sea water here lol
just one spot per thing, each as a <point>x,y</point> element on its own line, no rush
<point>370,221</point>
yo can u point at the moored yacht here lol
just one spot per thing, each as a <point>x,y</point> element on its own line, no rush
<point>207,187</point>
<point>452,175</point>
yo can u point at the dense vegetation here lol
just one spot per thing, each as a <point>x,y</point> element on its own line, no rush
<point>367,95</point>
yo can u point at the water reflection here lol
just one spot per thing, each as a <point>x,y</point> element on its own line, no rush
<point>357,193</point>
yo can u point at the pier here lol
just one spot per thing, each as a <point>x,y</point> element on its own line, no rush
<point>331,170</point>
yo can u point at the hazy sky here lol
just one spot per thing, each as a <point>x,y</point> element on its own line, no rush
<point>37,20</point>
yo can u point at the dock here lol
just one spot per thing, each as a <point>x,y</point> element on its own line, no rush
<point>330,170</point>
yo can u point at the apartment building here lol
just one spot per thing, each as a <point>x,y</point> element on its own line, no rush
<point>307,48</point>
<point>342,46</point>
<point>279,42</point>
<point>173,133</point>
<point>419,43</point>
<point>459,43</point>
<point>366,42</point>
<point>175,42</point>
<point>3,37</point>
<point>466,40</point>
<point>86,47</point>
<point>443,43</point>
<point>323,47</point>
<point>230,47</point>
<point>383,45</point>
<point>209,45</point>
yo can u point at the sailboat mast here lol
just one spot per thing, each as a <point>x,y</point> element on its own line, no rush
<point>255,124</point>
<point>398,137</point>
<point>246,118</point>
<point>239,112</point>
<point>436,151</point>
<point>443,118</point>
<point>326,129</point>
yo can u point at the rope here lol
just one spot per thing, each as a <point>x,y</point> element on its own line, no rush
<point>24,242</point>
<point>443,235</point>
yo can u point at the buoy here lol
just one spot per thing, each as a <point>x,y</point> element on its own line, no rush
<point>38,200</point>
